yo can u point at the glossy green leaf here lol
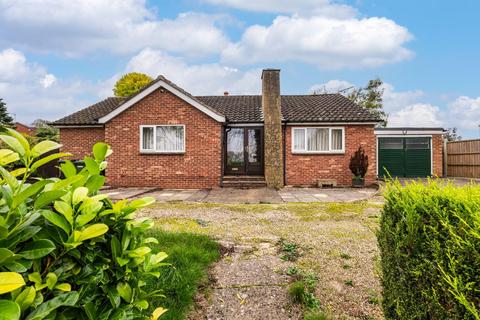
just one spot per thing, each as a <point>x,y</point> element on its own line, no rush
<point>5,256</point>
<point>43,310</point>
<point>29,191</point>
<point>46,198</point>
<point>40,162</point>
<point>143,202</point>
<point>79,195</point>
<point>141,304</point>
<point>9,178</point>
<point>68,182</point>
<point>95,182</point>
<point>63,287</point>
<point>8,156</point>
<point>25,298</point>
<point>21,265</point>
<point>35,277</point>
<point>44,147</point>
<point>9,310</point>
<point>139,252</point>
<point>125,291</point>
<point>100,151</point>
<point>68,169</point>
<point>150,240</point>
<point>51,280</point>
<point>57,220</point>
<point>20,137</point>
<point>115,247</point>
<point>10,281</point>
<point>92,231</point>
<point>85,218</point>
<point>37,249</point>
<point>157,313</point>
<point>13,143</point>
<point>65,209</point>
<point>92,166</point>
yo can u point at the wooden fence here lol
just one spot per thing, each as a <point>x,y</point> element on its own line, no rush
<point>463,158</point>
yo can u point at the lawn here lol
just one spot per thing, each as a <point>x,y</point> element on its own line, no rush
<point>190,256</point>
<point>336,246</point>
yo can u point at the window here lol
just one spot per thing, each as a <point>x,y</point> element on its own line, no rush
<point>162,139</point>
<point>418,143</point>
<point>391,143</point>
<point>318,140</point>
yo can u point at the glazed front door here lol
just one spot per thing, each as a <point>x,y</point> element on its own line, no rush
<point>244,151</point>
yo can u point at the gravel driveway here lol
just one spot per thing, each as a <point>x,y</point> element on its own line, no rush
<point>336,240</point>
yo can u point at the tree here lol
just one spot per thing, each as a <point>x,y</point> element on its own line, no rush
<point>6,119</point>
<point>43,131</point>
<point>131,83</point>
<point>452,135</point>
<point>371,98</point>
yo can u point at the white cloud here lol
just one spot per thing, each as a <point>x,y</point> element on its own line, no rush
<point>465,112</point>
<point>48,80</point>
<point>329,43</point>
<point>331,86</point>
<point>115,26</point>
<point>416,115</point>
<point>394,100</point>
<point>30,92</point>
<point>198,79</point>
<point>318,7</point>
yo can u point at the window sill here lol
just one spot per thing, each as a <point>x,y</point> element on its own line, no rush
<point>162,152</point>
<point>318,152</point>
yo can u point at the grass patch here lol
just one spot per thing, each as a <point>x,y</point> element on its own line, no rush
<point>190,255</point>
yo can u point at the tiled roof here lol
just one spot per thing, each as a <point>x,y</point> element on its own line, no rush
<point>248,108</point>
<point>91,114</point>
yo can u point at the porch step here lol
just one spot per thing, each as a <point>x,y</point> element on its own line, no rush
<point>244,182</point>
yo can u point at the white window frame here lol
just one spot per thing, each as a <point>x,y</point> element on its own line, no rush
<point>154,126</point>
<point>329,151</point>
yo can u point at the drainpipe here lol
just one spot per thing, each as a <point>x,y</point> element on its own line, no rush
<point>284,153</point>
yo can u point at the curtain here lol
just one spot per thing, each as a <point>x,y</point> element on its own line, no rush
<point>170,138</point>
<point>317,139</point>
<point>299,139</point>
<point>147,143</point>
<point>337,139</point>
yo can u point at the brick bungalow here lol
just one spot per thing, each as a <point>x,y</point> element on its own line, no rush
<point>165,137</point>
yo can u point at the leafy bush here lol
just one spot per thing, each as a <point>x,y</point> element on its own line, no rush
<point>429,242</point>
<point>66,251</point>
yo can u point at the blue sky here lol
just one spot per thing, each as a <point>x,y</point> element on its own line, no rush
<point>57,57</point>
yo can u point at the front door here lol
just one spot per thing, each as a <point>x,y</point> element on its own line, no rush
<point>244,151</point>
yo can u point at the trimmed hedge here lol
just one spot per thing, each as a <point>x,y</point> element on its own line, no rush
<point>429,241</point>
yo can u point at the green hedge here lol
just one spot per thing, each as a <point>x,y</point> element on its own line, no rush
<point>429,241</point>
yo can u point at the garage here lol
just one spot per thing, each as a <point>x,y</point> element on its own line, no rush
<point>408,152</point>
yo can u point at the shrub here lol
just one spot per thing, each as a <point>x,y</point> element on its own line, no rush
<point>429,242</point>
<point>359,163</point>
<point>66,251</point>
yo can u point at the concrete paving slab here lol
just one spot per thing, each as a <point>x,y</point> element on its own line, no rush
<point>127,193</point>
<point>233,195</point>
<point>172,195</point>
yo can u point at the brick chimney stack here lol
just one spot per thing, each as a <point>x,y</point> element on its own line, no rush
<point>225,93</point>
<point>272,114</point>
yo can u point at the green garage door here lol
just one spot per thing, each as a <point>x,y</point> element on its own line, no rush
<point>404,157</point>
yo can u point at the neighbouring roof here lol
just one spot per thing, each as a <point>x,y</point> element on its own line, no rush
<point>243,108</point>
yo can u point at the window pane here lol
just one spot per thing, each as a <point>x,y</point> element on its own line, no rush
<point>418,143</point>
<point>147,134</point>
<point>299,139</point>
<point>317,139</point>
<point>170,138</point>
<point>391,143</point>
<point>337,141</point>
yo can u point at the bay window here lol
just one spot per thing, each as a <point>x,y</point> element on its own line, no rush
<point>162,138</point>
<point>318,140</point>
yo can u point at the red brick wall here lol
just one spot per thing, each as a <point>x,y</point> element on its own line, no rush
<point>306,169</point>
<point>79,141</point>
<point>198,167</point>
<point>437,151</point>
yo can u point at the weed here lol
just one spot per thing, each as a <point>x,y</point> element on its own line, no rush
<point>315,315</point>
<point>346,266</point>
<point>293,271</point>
<point>297,291</point>
<point>290,250</point>
<point>373,298</point>
<point>345,256</point>
<point>349,283</point>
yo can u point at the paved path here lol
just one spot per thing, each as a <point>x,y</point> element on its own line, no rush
<point>257,195</point>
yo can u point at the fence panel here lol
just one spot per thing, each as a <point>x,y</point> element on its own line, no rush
<point>463,158</point>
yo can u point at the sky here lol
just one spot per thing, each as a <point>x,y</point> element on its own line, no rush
<point>57,57</point>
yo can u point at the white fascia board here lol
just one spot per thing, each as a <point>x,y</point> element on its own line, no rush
<point>151,89</point>
<point>406,132</point>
